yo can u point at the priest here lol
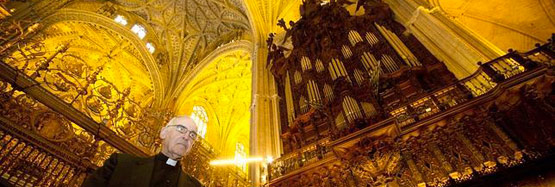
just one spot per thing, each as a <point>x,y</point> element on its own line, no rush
<point>163,169</point>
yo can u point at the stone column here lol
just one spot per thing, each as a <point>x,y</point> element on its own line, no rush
<point>450,41</point>
<point>265,125</point>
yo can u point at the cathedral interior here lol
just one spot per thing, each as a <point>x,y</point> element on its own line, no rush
<point>285,93</point>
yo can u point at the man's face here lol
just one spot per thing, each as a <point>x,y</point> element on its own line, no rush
<point>177,142</point>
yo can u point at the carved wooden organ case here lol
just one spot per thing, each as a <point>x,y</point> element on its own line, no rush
<point>343,72</point>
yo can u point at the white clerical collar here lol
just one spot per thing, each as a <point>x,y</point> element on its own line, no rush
<point>171,162</point>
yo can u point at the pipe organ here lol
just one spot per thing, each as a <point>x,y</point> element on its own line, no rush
<point>351,69</point>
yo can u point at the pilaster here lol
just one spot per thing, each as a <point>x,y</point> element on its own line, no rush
<point>451,42</point>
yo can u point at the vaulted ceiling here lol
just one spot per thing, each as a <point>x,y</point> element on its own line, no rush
<point>187,34</point>
<point>186,31</point>
<point>516,24</point>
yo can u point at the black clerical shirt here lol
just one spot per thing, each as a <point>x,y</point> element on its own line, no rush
<point>164,174</point>
<point>126,170</point>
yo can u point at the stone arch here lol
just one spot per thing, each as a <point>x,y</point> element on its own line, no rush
<point>107,23</point>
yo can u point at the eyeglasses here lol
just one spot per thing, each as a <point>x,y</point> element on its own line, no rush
<point>183,130</point>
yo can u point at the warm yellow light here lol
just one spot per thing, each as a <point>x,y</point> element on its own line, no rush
<point>236,161</point>
<point>139,30</point>
<point>223,88</point>
<point>121,20</point>
<point>150,47</point>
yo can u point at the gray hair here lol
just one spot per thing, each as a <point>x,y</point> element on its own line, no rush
<point>179,117</point>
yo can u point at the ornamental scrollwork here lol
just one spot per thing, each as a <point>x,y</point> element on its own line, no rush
<point>75,81</point>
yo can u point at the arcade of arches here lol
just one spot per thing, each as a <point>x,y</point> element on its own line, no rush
<point>318,92</point>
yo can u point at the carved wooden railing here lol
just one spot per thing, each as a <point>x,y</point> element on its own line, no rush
<point>481,82</point>
<point>307,155</point>
<point>432,105</point>
<point>27,163</point>
<point>40,147</point>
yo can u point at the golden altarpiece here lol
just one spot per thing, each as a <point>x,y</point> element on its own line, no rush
<point>362,102</point>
